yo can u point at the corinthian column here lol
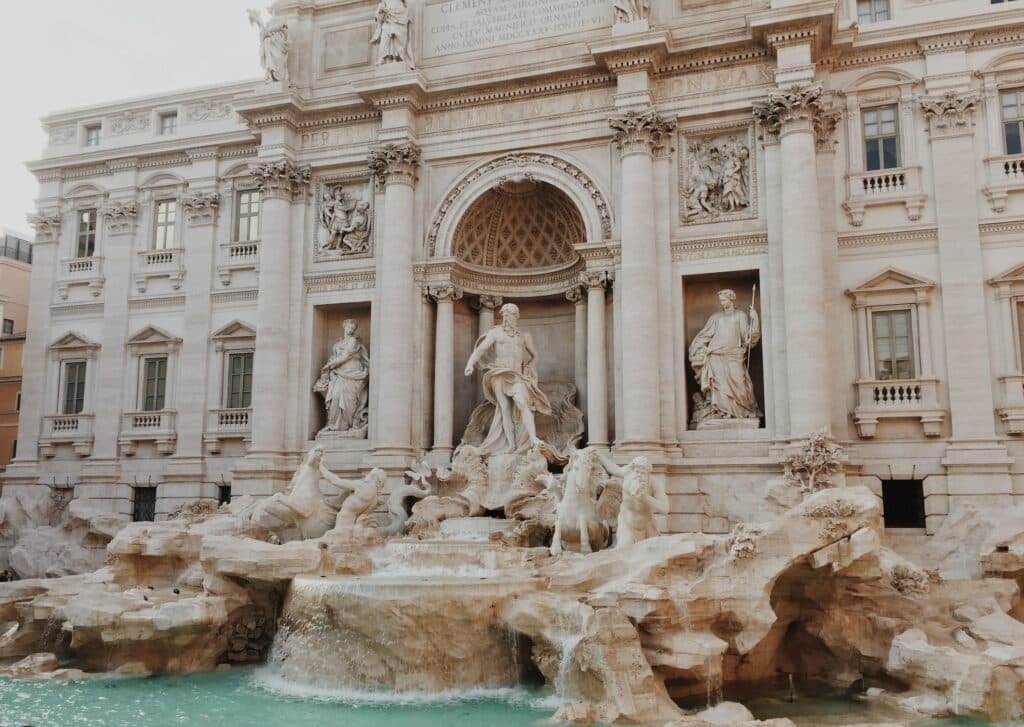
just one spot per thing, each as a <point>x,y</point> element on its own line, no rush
<point>444,366</point>
<point>669,290</point>
<point>635,136</point>
<point>791,115</point>
<point>597,358</point>
<point>281,182</point>
<point>394,365</point>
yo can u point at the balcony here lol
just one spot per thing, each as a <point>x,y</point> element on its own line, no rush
<point>223,424</point>
<point>160,264</point>
<point>1012,411</point>
<point>148,426</point>
<point>81,271</point>
<point>898,399</point>
<point>238,256</point>
<point>73,429</point>
<point>884,187</point>
<point>1005,175</point>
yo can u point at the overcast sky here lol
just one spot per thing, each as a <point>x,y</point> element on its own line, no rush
<point>58,54</point>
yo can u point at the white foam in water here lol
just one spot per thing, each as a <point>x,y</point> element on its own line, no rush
<point>265,678</point>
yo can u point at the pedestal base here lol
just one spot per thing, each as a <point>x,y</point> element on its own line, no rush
<point>729,424</point>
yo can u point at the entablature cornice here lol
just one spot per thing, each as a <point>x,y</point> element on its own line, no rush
<point>632,52</point>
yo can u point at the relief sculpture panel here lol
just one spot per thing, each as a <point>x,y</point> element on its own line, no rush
<point>344,224</point>
<point>717,175</point>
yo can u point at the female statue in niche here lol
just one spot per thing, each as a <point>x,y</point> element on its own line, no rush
<point>344,382</point>
<point>720,354</point>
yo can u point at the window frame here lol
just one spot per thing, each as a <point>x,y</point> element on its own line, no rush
<point>872,19</point>
<point>89,234</point>
<point>227,393</point>
<point>248,216</point>
<point>92,135</point>
<point>1018,120</point>
<point>162,127</point>
<point>880,138</point>
<point>161,394</point>
<point>5,327</point>
<point>915,364</point>
<point>168,226</point>
<point>65,381</point>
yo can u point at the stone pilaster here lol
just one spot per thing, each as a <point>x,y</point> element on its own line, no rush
<point>200,210</point>
<point>669,291</point>
<point>444,366</point>
<point>976,463</point>
<point>636,134</point>
<point>578,297</point>
<point>595,282</point>
<point>394,366</point>
<point>281,183</point>
<point>792,115</point>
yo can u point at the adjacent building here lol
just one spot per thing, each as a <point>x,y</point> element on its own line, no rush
<point>851,169</point>
<point>15,277</point>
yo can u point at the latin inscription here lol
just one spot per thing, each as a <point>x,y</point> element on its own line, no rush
<point>465,25</point>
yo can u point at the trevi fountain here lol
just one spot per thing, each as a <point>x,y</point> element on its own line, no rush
<point>628,459</point>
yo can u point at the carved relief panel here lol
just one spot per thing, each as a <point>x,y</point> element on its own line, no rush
<point>717,173</point>
<point>344,218</point>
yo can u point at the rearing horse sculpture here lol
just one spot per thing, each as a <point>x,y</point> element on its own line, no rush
<point>578,524</point>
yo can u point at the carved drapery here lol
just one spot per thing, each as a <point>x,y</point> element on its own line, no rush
<point>640,132</point>
<point>121,216</point>
<point>201,207</point>
<point>785,107</point>
<point>47,226</point>
<point>952,113</point>
<point>395,163</point>
<point>282,178</point>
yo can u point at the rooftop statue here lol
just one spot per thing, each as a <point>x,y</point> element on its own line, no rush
<point>391,32</point>
<point>273,45</point>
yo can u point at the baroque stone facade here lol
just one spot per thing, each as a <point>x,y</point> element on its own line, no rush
<point>858,187</point>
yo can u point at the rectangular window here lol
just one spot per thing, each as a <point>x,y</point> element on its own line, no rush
<point>247,219</point>
<point>8,327</point>
<point>14,449</point>
<point>144,504</point>
<point>92,135</point>
<point>894,358</point>
<point>872,11</point>
<point>1013,120</point>
<point>86,233</point>
<point>154,383</point>
<point>166,214</point>
<point>168,123</point>
<point>239,394</point>
<point>903,503</point>
<point>17,401</point>
<point>74,387</point>
<point>881,148</point>
<point>1,357</point>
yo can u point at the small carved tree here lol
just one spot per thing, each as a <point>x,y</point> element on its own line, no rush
<point>811,468</point>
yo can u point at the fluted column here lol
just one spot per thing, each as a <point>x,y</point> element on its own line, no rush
<point>280,182</point>
<point>637,283</point>
<point>667,285</point>
<point>791,114</point>
<point>200,209</point>
<point>444,365</point>
<point>578,298</point>
<point>597,358</point>
<point>394,366</point>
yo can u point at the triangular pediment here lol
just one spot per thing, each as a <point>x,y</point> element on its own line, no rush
<point>891,279</point>
<point>71,341</point>
<point>152,334</point>
<point>1013,275</point>
<point>234,329</point>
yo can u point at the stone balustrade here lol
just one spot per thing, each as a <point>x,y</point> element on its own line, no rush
<point>165,263</point>
<point>148,426</point>
<point>1012,409</point>
<point>884,187</point>
<point>73,429</point>
<point>898,399</point>
<point>1005,175</point>
<point>224,424</point>
<point>81,271</point>
<point>238,256</point>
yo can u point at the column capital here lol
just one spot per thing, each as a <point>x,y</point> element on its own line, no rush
<point>950,114</point>
<point>395,163</point>
<point>200,207</point>
<point>641,132</point>
<point>445,293</point>
<point>492,302</point>
<point>121,216</point>
<point>575,295</point>
<point>789,108</point>
<point>595,278</point>
<point>280,179</point>
<point>46,225</point>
